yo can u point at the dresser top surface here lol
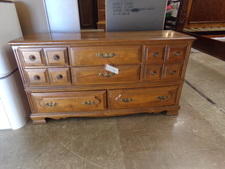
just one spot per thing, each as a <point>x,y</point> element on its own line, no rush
<point>83,37</point>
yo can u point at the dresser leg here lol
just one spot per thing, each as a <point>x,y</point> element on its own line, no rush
<point>38,120</point>
<point>172,112</point>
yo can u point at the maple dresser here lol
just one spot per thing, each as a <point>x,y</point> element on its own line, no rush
<point>100,74</point>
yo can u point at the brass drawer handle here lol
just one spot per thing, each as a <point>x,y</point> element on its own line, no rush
<point>106,75</point>
<point>176,53</point>
<point>59,76</point>
<point>126,100</point>
<point>32,57</point>
<point>162,97</point>
<point>37,77</point>
<point>153,73</point>
<point>89,103</point>
<point>155,54</point>
<point>51,104</point>
<point>106,55</point>
<point>56,57</point>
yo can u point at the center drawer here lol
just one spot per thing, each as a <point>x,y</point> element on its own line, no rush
<point>100,55</point>
<point>98,75</point>
<point>143,97</point>
<point>68,101</point>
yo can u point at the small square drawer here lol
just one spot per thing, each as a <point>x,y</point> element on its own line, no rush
<point>173,71</point>
<point>143,97</point>
<point>155,53</point>
<point>36,76</point>
<point>59,76</point>
<point>32,56</point>
<point>68,101</point>
<point>98,75</point>
<point>153,72</point>
<point>56,56</point>
<point>100,55</point>
<point>176,53</point>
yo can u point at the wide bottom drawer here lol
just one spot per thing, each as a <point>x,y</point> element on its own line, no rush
<point>144,97</point>
<point>68,101</point>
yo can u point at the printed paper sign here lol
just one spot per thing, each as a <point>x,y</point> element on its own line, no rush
<point>111,69</point>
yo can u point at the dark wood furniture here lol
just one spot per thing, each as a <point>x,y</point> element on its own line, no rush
<point>64,73</point>
<point>88,14</point>
<point>204,19</point>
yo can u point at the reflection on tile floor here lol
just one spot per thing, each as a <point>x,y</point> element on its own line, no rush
<point>195,139</point>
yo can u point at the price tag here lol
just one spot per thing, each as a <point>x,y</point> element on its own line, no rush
<point>111,69</point>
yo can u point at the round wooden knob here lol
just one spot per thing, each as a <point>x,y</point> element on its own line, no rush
<point>176,53</point>
<point>56,57</point>
<point>37,77</point>
<point>153,73</point>
<point>173,72</point>
<point>155,54</point>
<point>59,76</point>
<point>32,57</point>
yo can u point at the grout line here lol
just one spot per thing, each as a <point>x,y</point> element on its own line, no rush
<point>204,96</point>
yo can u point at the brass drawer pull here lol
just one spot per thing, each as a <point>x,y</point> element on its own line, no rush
<point>162,97</point>
<point>126,100</point>
<point>89,103</point>
<point>51,104</point>
<point>155,54</point>
<point>106,55</point>
<point>176,53</point>
<point>37,77</point>
<point>56,57</point>
<point>59,76</point>
<point>153,73</point>
<point>106,75</point>
<point>32,57</point>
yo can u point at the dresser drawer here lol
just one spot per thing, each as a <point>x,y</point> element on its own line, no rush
<point>59,76</point>
<point>173,71</point>
<point>68,101</point>
<point>101,55</point>
<point>32,56</point>
<point>144,97</point>
<point>155,53</point>
<point>98,75</point>
<point>56,56</point>
<point>176,53</point>
<point>153,72</point>
<point>36,76</point>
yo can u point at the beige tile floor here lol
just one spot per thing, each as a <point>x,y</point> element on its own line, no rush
<point>195,139</point>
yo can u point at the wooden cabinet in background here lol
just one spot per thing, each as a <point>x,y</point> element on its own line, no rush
<point>88,14</point>
<point>64,73</point>
<point>101,14</point>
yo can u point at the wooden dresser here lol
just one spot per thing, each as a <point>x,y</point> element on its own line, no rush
<point>64,73</point>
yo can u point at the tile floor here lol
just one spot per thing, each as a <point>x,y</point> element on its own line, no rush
<point>195,139</point>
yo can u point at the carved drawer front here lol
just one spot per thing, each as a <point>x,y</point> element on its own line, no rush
<point>59,76</point>
<point>144,97</point>
<point>173,71</point>
<point>32,57</point>
<point>56,56</point>
<point>101,55</point>
<point>155,53</point>
<point>98,75</point>
<point>153,72</point>
<point>68,101</point>
<point>36,76</point>
<point>176,52</point>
